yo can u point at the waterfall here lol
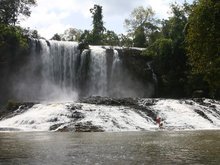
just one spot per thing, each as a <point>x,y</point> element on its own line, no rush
<point>59,60</point>
<point>98,72</point>
<point>59,71</point>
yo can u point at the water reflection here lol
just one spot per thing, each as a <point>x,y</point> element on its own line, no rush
<point>195,147</point>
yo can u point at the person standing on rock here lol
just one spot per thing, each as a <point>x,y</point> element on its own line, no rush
<point>158,120</point>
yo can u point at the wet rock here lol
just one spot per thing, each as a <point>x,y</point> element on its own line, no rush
<point>82,46</point>
<point>212,106</point>
<point>12,106</point>
<point>55,119</point>
<point>189,102</point>
<point>77,115</point>
<point>87,127</point>
<point>202,114</point>
<point>198,100</point>
<point>65,129</point>
<point>201,102</point>
<point>109,101</point>
<point>148,102</point>
<point>15,108</point>
<point>76,107</point>
<point>129,102</point>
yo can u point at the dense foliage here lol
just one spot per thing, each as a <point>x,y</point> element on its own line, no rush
<point>98,25</point>
<point>11,40</point>
<point>12,37</point>
<point>203,43</point>
<point>169,55</point>
<point>10,10</point>
<point>141,26</point>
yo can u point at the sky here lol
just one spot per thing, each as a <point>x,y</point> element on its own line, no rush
<point>55,16</point>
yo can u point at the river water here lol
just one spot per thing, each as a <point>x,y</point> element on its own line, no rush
<point>158,147</point>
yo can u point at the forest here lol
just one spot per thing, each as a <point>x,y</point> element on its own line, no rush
<point>184,48</point>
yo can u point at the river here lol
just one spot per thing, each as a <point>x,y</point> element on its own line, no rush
<point>146,147</point>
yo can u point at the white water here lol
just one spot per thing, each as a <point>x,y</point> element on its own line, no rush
<point>180,114</point>
<point>98,72</point>
<point>42,116</point>
<point>176,115</point>
<point>59,71</point>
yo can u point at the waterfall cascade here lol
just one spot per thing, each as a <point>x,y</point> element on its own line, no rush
<point>58,70</point>
<point>122,115</point>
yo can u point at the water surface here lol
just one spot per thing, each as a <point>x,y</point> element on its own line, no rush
<point>160,147</point>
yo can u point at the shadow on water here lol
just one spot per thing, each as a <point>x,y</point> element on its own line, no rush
<point>187,147</point>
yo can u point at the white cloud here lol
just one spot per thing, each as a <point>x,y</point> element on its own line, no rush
<point>161,7</point>
<point>54,16</point>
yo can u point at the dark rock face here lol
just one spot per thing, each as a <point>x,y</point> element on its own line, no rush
<point>55,126</point>
<point>135,67</point>
<point>109,101</point>
<point>82,46</point>
<point>77,115</point>
<point>15,108</point>
<point>203,115</point>
<point>87,127</point>
<point>11,59</point>
<point>78,127</point>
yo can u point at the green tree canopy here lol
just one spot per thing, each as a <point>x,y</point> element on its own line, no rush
<point>141,25</point>
<point>56,37</point>
<point>10,10</point>
<point>110,38</point>
<point>98,25</point>
<point>167,48</point>
<point>71,34</point>
<point>203,42</point>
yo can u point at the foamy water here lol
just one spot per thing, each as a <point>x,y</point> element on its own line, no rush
<point>176,115</point>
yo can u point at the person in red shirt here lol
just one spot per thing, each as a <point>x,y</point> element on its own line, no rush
<point>158,120</point>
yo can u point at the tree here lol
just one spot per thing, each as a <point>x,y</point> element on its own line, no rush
<point>140,25</point>
<point>71,34</point>
<point>86,37</point>
<point>110,38</point>
<point>56,37</point>
<point>203,42</point>
<point>10,10</point>
<point>125,40</point>
<point>167,49</point>
<point>139,37</point>
<point>98,25</point>
<point>12,41</point>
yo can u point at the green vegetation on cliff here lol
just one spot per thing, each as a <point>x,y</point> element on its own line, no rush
<point>169,54</point>
<point>203,43</point>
